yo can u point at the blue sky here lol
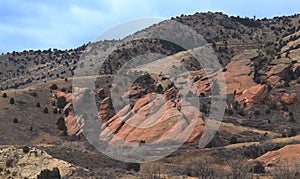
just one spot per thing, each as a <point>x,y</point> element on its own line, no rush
<point>64,24</point>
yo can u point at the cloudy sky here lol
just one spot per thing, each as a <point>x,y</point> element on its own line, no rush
<point>33,24</point>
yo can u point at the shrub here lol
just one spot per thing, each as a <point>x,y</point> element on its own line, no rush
<point>53,87</point>
<point>256,113</point>
<point>133,166</point>
<point>285,107</point>
<point>292,133</point>
<point>61,123</point>
<point>259,168</point>
<point>196,78</point>
<point>142,142</point>
<point>4,95</point>
<point>38,105</point>
<point>297,72</point>
<point>67,111</point>
<point>45,174</point>
<point>233,140</point>
<point>34,94</point>
<point>159,89</point>
<point>269,88</point>
<point>292,118</point>
<point>9,162</point>
<point>55,111</point>
<point>61,102</point>
<point>268,111</point>
<point>229,112</point>
<point>235,105</point>
<point>12,101</point>
<point>286,84</point>
<point>272,105</point>
<point>15,120</point>
<point>53,103</point>
<point>25,149</point>
<point>241,113</point>
<point>45,110</point>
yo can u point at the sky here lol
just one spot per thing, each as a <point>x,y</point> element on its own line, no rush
<point>65,24</point>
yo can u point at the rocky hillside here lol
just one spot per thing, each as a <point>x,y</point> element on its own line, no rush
<point>260,60</point>
<point>30,162</point>
<point>228,36</point>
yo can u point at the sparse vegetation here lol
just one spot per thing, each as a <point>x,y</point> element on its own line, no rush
<point>9,163</point>
<point>12,101</point>
<point>61,102</point>
<point>61,123</point>
<point>34,94</point>
<point>15,120</point>
<point>229,36</point>
<point>233,140</point>
<point>4,95</point>
<point>133,167</point>
<point>25,149</point>
<point>48,174</point>
<point>45,110</point>
<point>53,87</point>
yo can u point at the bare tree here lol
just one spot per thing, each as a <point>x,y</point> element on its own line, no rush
<point>287,169</point>
<point>202,167</point>
<point>240,167</point>
<point>152,170</point>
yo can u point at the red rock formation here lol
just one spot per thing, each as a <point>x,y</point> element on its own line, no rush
<point>277,157</point>
<point>106,111</point>
<point>203,85</point>
<point>253,95</point>
<point>289,98</point>
<point>274,81</point>
<point>134,92</point>
<point>281,70</point>
<point>73,124</point>
<point>155,118</point>
<point>239,75</point>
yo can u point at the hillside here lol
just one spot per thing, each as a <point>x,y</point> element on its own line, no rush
<point>259,58</point>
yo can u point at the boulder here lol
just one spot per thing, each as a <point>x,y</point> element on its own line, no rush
<point>239,75</point>
<point>289,98</point>
<point>274,81</point>
<point>253,95</point>
<point>281,70</point>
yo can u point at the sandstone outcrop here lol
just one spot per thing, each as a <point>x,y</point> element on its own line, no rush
<point>280,156</point>
<point>155,118</point>
<point>289,98</point>
<point>239,73</point>
<point>106,111</point>
<point>253,95</point>
<point>21,165</point>
<point>74,124</point>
